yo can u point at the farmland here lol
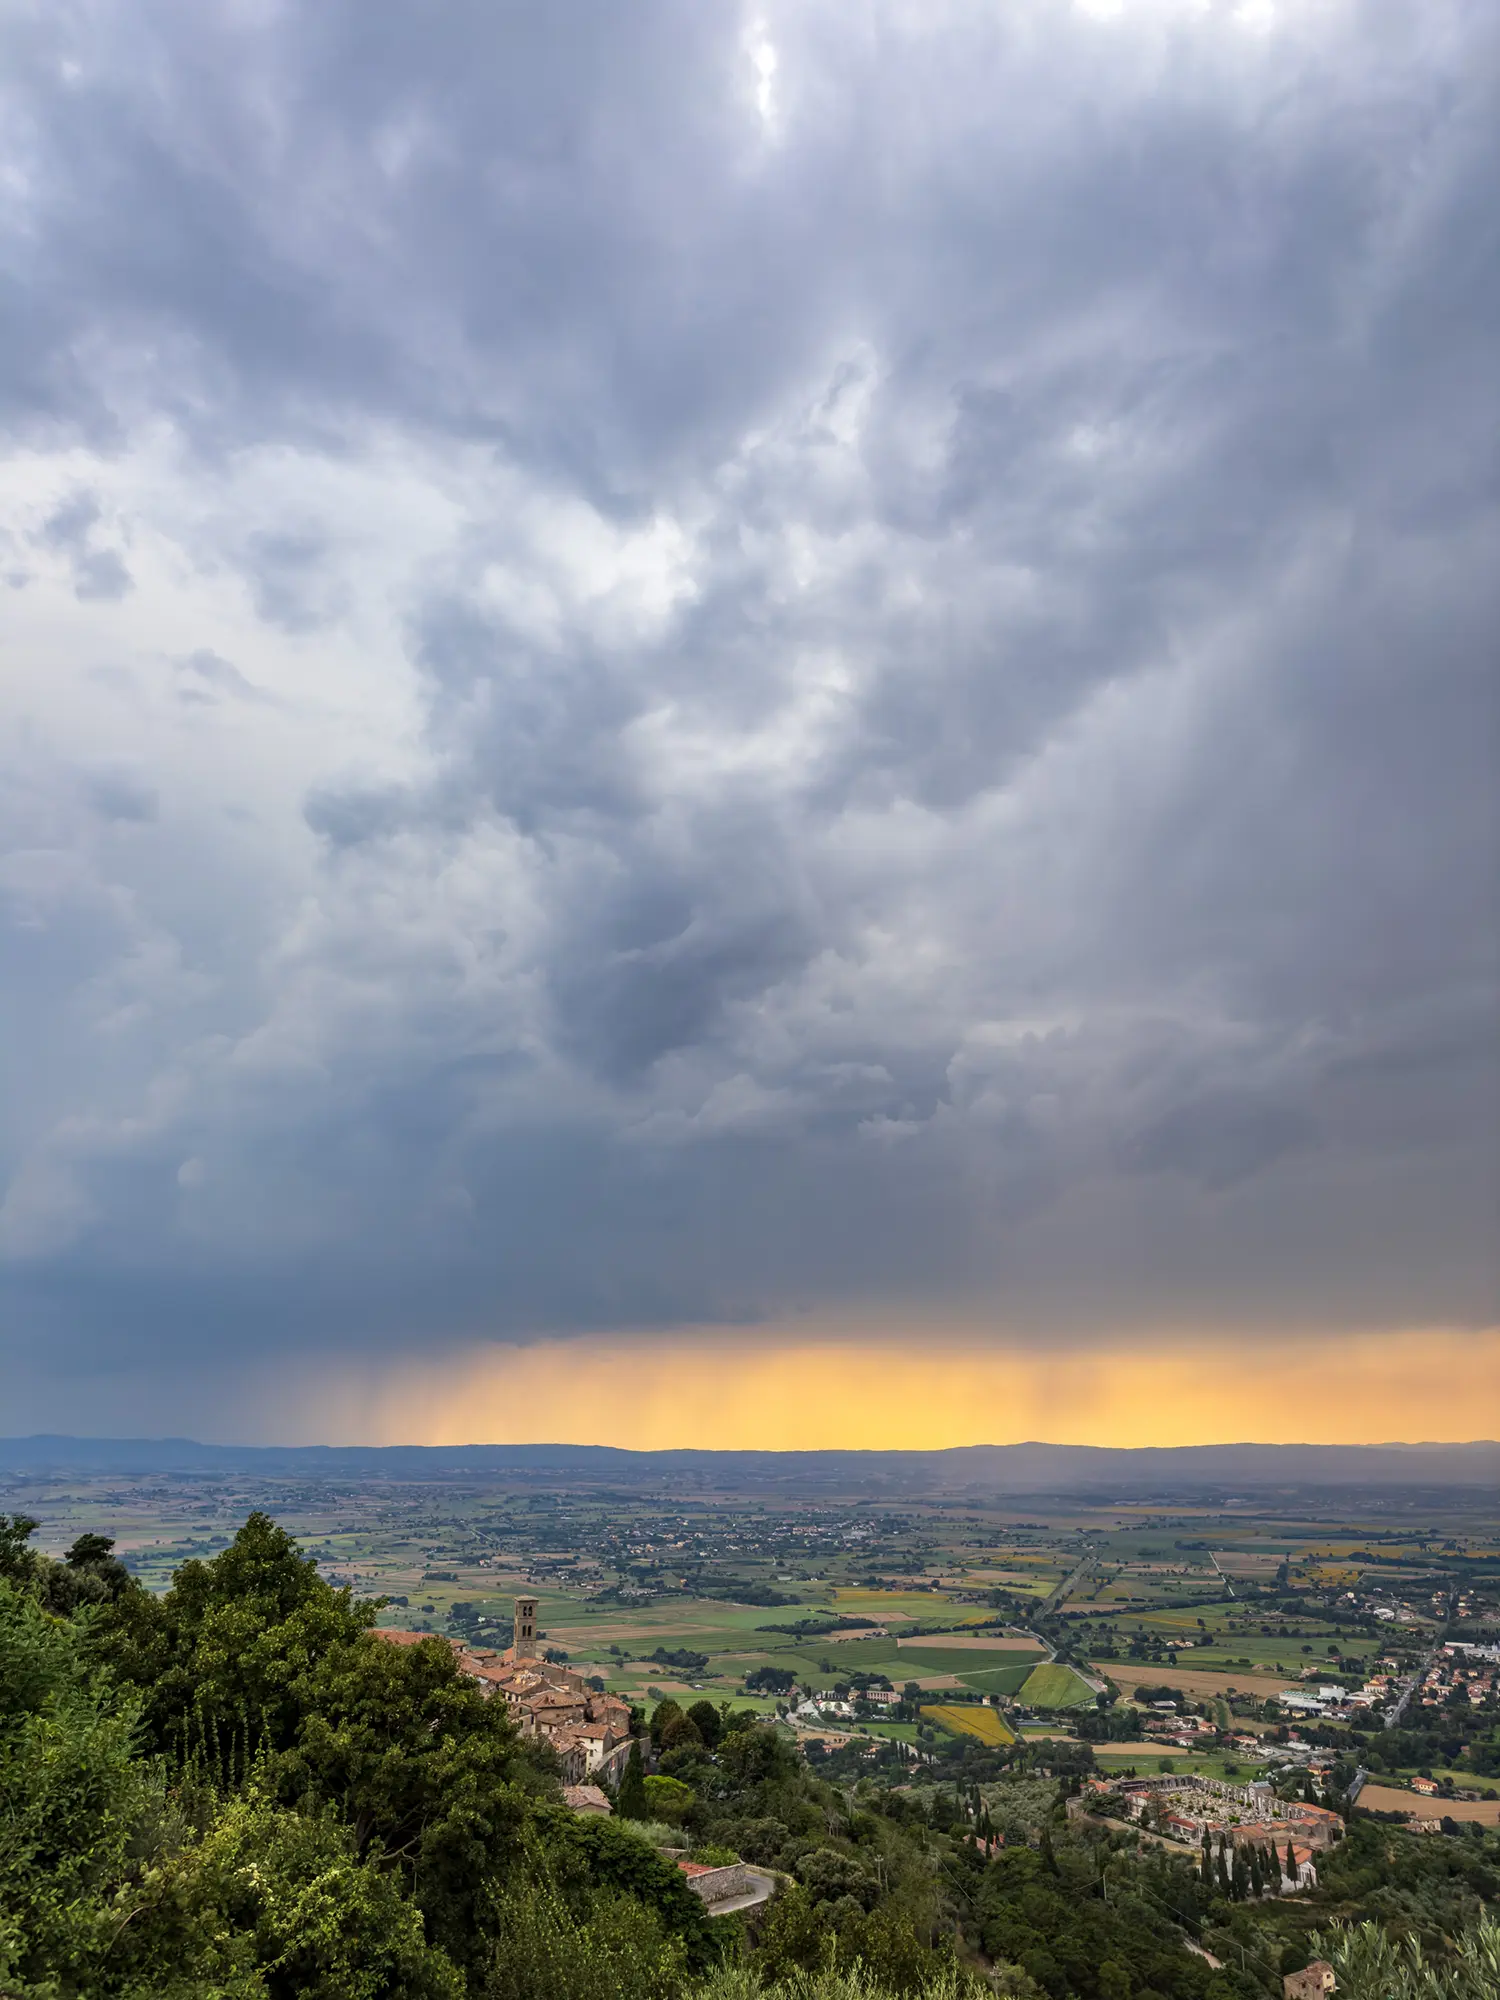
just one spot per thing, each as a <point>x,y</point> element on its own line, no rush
<point>1391,1798</point>
<point>762,1596</point>
<point>985,1725</point>
<point>1056,1687</point>
<point>1202,1682</point>
<point>998,1680</point>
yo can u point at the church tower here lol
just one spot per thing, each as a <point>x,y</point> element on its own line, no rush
<point>524,1644</point>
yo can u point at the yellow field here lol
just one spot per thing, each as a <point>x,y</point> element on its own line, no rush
<point>961,1719</point>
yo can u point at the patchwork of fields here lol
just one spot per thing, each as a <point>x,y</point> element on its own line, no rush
<point>687,1592</point>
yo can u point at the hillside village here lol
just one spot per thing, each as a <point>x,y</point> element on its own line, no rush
<point>588,1730</point>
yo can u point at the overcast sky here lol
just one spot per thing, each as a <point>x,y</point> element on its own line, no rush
<point>670,666</point>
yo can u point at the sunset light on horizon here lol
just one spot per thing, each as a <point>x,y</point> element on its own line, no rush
<point>779,1389</point>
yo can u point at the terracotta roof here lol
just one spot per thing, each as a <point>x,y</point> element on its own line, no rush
<point>586,1798</point>
<point>393,1638</point>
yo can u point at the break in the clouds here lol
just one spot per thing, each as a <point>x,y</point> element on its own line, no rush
<point>667,666</point>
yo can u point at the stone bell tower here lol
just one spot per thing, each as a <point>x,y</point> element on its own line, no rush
<point>523,1646</point>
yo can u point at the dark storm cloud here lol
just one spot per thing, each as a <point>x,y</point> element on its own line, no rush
<point>947,742</point>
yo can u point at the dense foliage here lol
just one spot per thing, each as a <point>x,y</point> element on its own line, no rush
<point>1371,1965</point>
<point>234,1789</point>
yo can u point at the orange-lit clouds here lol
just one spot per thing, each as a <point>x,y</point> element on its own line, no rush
<point>775,1391</point>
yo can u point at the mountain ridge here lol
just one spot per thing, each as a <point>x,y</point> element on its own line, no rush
<point>1032,1466</point>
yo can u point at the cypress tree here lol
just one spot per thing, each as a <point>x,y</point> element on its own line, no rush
<point>630,1800</point>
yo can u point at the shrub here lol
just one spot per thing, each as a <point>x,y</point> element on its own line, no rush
<point>668,1799</point>
<point>616,1951</point>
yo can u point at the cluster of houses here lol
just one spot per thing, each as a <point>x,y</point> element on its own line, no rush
<point>826,1706</point>
<point>1189,1732</point>
<point>1340,1704</point>
<point>1168,1726</point>
<point>589,1731</point>
<point>1250,1815</point>
<point>1472,1670</point>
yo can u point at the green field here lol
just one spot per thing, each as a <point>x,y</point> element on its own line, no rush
<point>907,1604</point>
<point>999,1680</point>
<point>1055,1687</point>
<point>914,1661</point>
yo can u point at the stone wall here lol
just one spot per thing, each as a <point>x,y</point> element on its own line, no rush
<point>717,1885</point>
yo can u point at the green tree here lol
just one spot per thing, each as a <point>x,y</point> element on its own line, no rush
<point>223,1658</point>
<point>793,1938</point>
<point>630,1801</point>
<point>708,1722</point>
<point>615,1950</point>
<point>17,1558</point>
<point>271,1903</point>
<point>680,1733</point>
<point>420,1765</point>
<point>88,1574</point>
<point>668,1799</point>
<point>71,1799</point>
<point>665,1712</point>
<point>1371,1965</point>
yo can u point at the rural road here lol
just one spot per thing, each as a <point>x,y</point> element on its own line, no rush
<point>1074,1576</point>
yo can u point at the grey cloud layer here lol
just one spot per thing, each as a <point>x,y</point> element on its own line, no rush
<point>722,707</point>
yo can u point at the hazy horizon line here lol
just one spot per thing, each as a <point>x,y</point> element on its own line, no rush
<point>768,1451</point>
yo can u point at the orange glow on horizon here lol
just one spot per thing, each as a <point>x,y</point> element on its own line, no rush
<point>773,1390</point>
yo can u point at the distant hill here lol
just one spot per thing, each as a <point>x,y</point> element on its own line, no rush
<point>969,1469</point>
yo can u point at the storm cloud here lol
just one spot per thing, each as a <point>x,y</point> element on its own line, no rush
<point>678,666</point>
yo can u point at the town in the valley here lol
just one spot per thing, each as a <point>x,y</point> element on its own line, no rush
<point>1288,1701</point>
